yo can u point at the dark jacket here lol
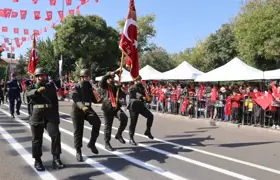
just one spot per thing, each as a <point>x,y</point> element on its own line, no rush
<point>106,104</point>
<point>14,88</point>
<point>49,96</point>
<point>82,93</point>
<point>136,97</point>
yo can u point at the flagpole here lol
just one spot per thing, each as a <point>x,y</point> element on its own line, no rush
<point>120,75</point>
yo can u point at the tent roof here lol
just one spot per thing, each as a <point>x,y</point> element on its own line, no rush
<point>149,73</point>
<point>235,70</point>
<point>125,76</point>
<point>182,71</point>
<point>273,74</point>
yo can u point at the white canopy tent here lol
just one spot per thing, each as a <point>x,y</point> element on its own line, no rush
<point>273,74</point>
<point>184,71</point>
<point>149,73</point>
<point>124,78</point>
<point>235,70</point>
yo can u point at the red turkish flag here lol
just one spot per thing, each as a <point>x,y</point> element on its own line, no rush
<point>14,14</point>
<point>8,12</point>
<point>6,40</point>
<point>78,10</point>
<point>37,15</point>
<point>25,31</point>
<point>68,2</point>
<point>61,15</point>
<point>17,42</point>
<point>49,15</point>
<point>214,94</point>
<point>36,32</point>
<point>274,90</point>
<point>34,1</point>
<point>34,59</point>
<point>96,1</point>
<point>16,30</point>
<point>23,39</point>
<point>23,14</point>
<point>184,105</point>
<point>228,106</point>
<point>15,0</point>
<point>71,12</point>
<point>264,100</point>
<point>200,92</point>
<point>4,29</point>
<point>45,29</point>
<point>2,13</point>
<point>13,49</point>
<point>83,2</point>
<point>128,43</point>
<point>52,2</point>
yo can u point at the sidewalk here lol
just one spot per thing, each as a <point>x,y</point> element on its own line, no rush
<point>205,121</point>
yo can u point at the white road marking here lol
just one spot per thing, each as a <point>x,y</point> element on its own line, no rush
<point>45,175</point>
<point>155,169</point>
<point>198,163</point>
<point>72,151</point>
<point>204,152</point>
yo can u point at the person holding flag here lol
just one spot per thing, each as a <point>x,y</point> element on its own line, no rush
<point>138,94</point>
<point>112,108</point>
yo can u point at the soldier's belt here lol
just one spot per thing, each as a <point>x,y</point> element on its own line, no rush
<point>87,104</point>
<point>41,106</point>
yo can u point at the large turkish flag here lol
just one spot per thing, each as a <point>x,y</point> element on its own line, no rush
<point>264,100</point>
<point>128,43</point>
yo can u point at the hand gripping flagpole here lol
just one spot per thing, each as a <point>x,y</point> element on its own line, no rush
<point>120,75</point>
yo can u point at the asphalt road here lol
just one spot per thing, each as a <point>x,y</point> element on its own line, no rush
<point>182,149</point>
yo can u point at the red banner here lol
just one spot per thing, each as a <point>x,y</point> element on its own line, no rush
<point>68,2</point>
<point>7,12</point>
<point>16,30</point>
<point>264,100</point>
<point>37,15</point>
<point>128,43</point>
<point>49,15</point>
<point>23,14</point>
<point>14,14</point>
<point>52,2</point>
<point>34,59</point>
<point>228,106</point>
<point>34,1</point>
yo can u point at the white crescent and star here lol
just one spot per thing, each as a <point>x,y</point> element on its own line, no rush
<point>129,22</point>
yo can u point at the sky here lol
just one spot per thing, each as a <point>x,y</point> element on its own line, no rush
<point>179,23</point>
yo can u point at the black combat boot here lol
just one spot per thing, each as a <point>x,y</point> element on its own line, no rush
<point>132,142</point>
<point>93,148</point>
<point>120,138</point>
<point>12,115</point>
<point>79,156</point>
<point>57,164</point>
<point>18,113</point>
<point>148,133</point>
<point>109,147</point>
<point>38,165</point>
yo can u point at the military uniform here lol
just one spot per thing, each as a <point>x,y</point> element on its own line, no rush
<point>136,106</point>
<point>109,95</point>
<point>45,115</point>
<point>82,110</point>
<point>28,84</point>
<point>14,89</point>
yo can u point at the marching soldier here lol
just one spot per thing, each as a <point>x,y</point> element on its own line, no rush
<point>81,110</point>
<point>45,115</point>
<point>28,83</point>
<point>112,109</point>
<point>14,89</point>
<point>136,106</point>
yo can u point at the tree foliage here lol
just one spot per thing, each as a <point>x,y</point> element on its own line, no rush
<point>158,58</point>
<point>257,32</point>
<point>146,31</point>
<point>89,40</point>
<point>22,66</point>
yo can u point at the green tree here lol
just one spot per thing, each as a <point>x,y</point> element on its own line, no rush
<point>158,58</point>
<point>220,47</point>
<point>196,56</point>
<point>146,31</point>
<point>89,40</point>
<point>256,29</point>
<point>22,66</point>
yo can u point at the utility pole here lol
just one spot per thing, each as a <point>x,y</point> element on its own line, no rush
<point>11,55</point>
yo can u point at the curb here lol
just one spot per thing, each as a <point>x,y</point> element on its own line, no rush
<point>205,121</point>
